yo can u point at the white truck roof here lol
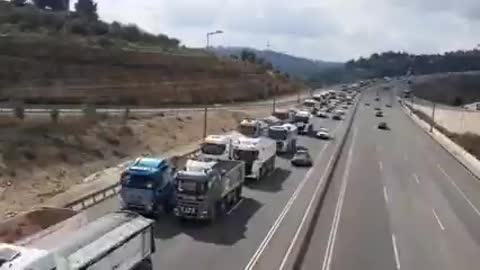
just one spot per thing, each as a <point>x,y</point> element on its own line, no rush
<point>303,114</point>
<point>75,249</point>
<point>199,166</point>
<point>252,143</point>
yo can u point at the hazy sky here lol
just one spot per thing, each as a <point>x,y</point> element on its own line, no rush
<point>322,29</point>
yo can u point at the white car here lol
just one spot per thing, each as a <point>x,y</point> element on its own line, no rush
<point>324,134</point>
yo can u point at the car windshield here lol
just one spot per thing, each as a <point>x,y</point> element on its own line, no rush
<point>213,149</point>
<point>245,155</point>
<point>277,134</point>
<point>132,180</point>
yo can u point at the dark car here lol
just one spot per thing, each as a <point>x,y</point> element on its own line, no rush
<point>383,125</point>
<point>388,106</point>
<point>337,117</point>
<point>377,109</point>
<point>377,99</point>
<point>379,114</point>
<point>322,114</point>
<point>302,158</point>
<point>367,104</point>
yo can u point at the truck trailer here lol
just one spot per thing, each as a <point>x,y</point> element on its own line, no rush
<point>57,239</point>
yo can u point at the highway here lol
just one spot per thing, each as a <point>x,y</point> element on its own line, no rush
<point>397,200</point>
<point>258,231</point>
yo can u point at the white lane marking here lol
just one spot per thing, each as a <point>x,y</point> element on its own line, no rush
<point>458,188</point>
<point>256,256</point>
<point>235,207</point>
<point>395,251</point>
<point>385,193</point>
<point>338,210</point>
<point>438,220</point>
<point>380,165</point>
<point>416,178</point>
<point>304,218</point>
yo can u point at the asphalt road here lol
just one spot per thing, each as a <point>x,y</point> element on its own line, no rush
<point>257,233</point>
<point>397,200</point>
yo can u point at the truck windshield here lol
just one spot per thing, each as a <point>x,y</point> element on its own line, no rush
<point>277,134</point>
<point>281,115</point>
<point>247,130</point>
<point>140,181</point>
<point>189,186</point>
<point>245,155</point>
<point>213,149</point>
<point>302,119</point>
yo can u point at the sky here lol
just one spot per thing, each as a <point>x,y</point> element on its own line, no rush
<point>332,30</point>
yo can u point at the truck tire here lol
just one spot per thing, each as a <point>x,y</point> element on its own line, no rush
<point>146,264</point>
<point>239,193</point>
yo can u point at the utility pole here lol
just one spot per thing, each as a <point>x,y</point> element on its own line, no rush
<point>274,99</point>
<point>205,111</point>
<point>211,34</point>
<point>433,118</point>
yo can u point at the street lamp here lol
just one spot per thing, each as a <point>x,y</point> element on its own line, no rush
<point>211,34</point>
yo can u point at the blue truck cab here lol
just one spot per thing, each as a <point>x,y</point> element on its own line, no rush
<point>147,186</point>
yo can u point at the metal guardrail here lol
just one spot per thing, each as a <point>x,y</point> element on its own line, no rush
<point>99,196</point>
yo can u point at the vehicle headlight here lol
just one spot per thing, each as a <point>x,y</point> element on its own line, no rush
<point>150,185</point>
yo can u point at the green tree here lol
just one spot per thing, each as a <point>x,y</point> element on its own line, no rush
<point>87,9</point>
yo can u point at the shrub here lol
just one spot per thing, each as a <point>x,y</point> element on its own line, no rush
<point>99,28</point>
<point>54,115</point>
<point>79,27</point>
<point>19,111</point>
<point>105,42</point>
<point>90,111</point>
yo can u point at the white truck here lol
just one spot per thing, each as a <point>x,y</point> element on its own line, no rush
<point>285,136</point>
<point>218,147</point>
<point>303,121</point>
<point>60,239</point>
<point>257,153</point>
<point>252,127</point>
<point>311,105</point>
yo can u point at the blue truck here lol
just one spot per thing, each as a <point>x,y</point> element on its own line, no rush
<point>147,186</point>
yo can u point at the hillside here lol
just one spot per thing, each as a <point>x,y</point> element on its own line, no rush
<point>295,66</point>
<point>453,89</point>
<point>57,58</point>
<point>393,64</point>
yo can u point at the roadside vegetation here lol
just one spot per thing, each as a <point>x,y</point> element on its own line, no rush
<point>468,141</point>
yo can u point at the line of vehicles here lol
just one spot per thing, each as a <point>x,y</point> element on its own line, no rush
<point>204,188</point>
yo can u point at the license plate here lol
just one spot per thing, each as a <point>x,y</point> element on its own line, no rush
<point>188,210</point>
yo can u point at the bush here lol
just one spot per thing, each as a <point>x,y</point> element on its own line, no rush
<point>54,115</point>
<point>90,111</point>
<point>19,111</point>
<point>99,28</point>
<point>79,27</point>
<point>105,42</point>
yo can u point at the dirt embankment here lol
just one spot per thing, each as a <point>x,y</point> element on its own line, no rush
<point>47,71</point>
<point>39,159</point>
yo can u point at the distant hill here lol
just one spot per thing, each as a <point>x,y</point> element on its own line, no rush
<point>302,68</point>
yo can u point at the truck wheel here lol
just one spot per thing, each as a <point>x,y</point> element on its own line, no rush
<point>146,264</point>
<point>213,214</point>
<point>239,193</point>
